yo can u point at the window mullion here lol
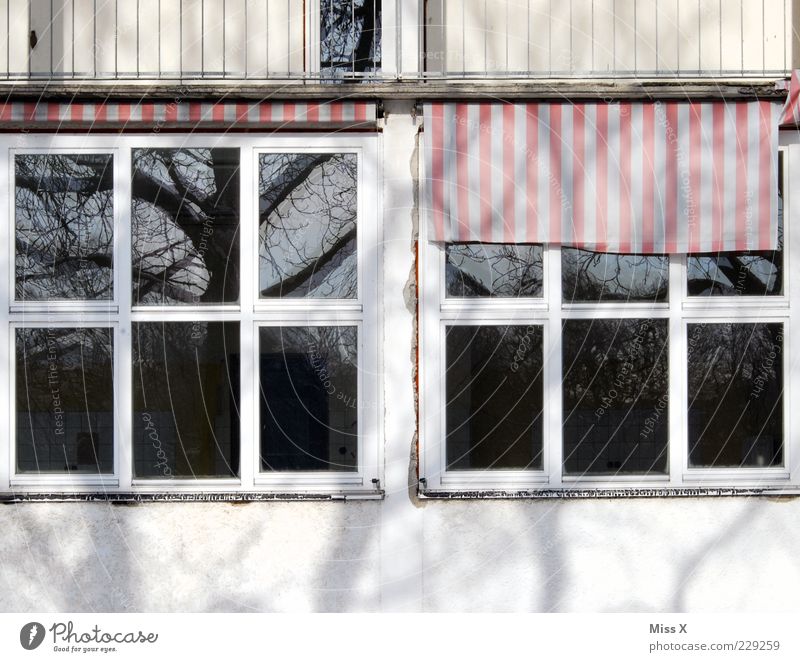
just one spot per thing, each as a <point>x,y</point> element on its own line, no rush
<point>248,295</point>
<point>553,441</point>
<point>6,438</point>
<point>123,374</point>
<point>677,445</point>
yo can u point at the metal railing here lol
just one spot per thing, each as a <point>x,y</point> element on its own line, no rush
<point>332,40</point>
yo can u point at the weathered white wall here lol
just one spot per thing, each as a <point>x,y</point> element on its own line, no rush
<point>402,553</point>
<point>610,555</point>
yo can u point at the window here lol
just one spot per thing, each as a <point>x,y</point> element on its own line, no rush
<point>192,312</point>
<point>548,367</point>
<point>350,37</point>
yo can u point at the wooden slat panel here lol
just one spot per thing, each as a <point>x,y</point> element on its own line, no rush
<point>256,39</point>
<point>709,35</point>
<point>62,38</point>
<point>582,46</point>
<point>170,42</point>
<point>539,31</point>
<point>689,35</point>
<point>625,36</point>
<point>646,36</point>
<point>235,30</point>
<point>496,34</point>
<point>474,35</point>
<point>83,48</point>
<point>454,35</point>
<point>603,36</point>
<point>774,30</point>
<point>148,38</point>
<point>105,37</point>
<point>434,33</point>
<point>731,49</point>
<point>192,37</point>
<point>41,24</point>
<point>560,34</point>
<point>668,37</point>
<point>296,36</point>
<point>127,38</point>
<point>278,37</point>
<point>752,36</point>
<point>213,37</point>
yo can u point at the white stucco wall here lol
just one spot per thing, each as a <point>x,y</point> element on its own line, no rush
<point>402,553</point>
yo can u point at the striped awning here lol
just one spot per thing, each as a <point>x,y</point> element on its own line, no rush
<point>628,177</point>
<point>790,117</point>
<point>185,114</point>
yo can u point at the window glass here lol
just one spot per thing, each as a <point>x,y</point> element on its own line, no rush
<point>494,270</point>
<point>185,225</point>
<point>600,277</point>
<point>64,400</point>
<point>186,399</point>
<point>350,36</point>
<point>494,397</point>
<point>64,216</point>
<point>615,396</point>
<point>309,398</point>
<point>307,225</point>
<point>735,376</point>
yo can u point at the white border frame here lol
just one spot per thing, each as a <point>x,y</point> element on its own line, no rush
<point>436,311</point>
<point>249,312</point>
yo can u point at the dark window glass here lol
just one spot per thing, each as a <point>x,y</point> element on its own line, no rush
<point>494,270</point>
<point>185,224</point>
<point>186,399</point>
<point>735,394</point>
<point>615,396</point>
<point>599,277</point>
<point>309,398</point>
<point>307,225</point>
<point>64,226</point>
<point>746,273</point>
<point>350,37</point>
<point>494,397</point>
<point>65,400</point>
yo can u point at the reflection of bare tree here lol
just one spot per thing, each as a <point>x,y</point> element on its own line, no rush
<point>588,276</point>
<point>64,226</point>
<point>735,394</point>
<point>307,234</point>
<point>501,270</point>
<point>185,220</point>
<point>350,36</point>
<point>64,399</point>
<point>309,398</point>
<point>494,397</point>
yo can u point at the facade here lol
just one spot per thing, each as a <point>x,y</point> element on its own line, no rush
<point>396,305</point>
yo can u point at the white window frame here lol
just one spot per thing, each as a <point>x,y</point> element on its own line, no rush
<point>437,311</point>
<point>250,313</point>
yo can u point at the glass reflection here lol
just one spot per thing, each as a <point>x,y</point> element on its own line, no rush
<point>599,277</point>
<point>186,399</point>
<point>494,270</point>
<point>64,400</point>
<point>307,225</point>
<point>494,397</point>
<point>64,215</point>
<point>735,394</point>
<point>309,398</point>
<point>615,396</point>
<point>185,224</point>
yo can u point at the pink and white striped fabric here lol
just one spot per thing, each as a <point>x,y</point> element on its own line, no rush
<point>180,113</point>
<point>629,177</point>
<point>790,117</point>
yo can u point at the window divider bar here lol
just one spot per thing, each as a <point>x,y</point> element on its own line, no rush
<point>676,438</point>
<point>123,282</point>
<point>553,433</point>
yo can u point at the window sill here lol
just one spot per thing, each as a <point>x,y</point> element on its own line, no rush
<point>183,497</point>
<point>611,493</point>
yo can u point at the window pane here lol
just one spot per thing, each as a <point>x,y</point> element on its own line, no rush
<point>186,399</point>
<point>735,395</point>
<point>185,223</point>
<point>65,400</point>
<point>494,270</point>
<point>307,227</point>
<point>64,226</point>
<point>494,397</point>
<point>591,277</point>
<point>747,273</point>
<point>350,36</point>
<point>615,392</point>
<point>309,398</point>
